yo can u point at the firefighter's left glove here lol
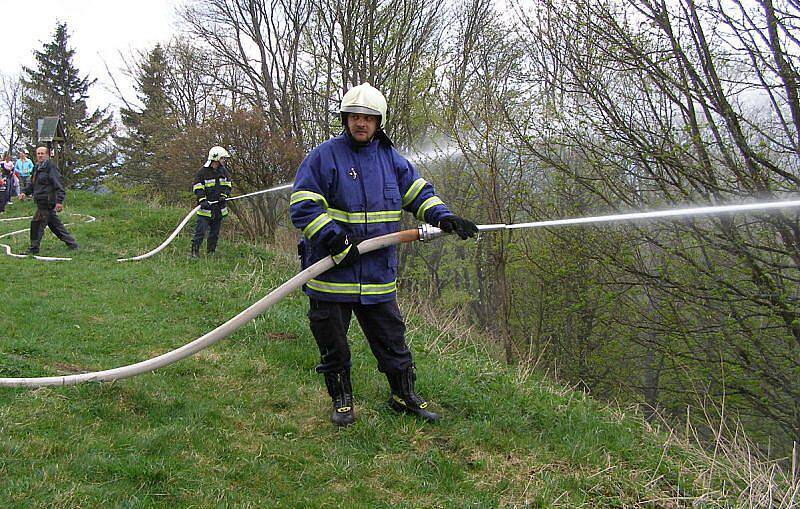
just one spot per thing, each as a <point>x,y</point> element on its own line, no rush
<point>464,228</point>
<point>205,205</point>
<point>343,249</point>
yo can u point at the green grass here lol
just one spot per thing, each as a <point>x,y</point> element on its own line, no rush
<point>245,422</point>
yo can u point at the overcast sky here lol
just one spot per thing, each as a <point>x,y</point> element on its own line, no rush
<point>99,30</point>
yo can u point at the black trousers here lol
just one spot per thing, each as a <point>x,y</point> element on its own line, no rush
<point>46,216</point>
<point>382,325</point>
<point>207,225</point>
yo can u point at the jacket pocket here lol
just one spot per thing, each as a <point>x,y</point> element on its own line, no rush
<point>392,196</point>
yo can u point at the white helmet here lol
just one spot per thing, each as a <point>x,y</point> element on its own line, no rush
<point>215,154</point>
<point>364,99</point>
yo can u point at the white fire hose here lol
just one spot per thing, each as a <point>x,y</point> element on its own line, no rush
<point>155,251</point>
<point>189,217</point>
<point>37,257</point>
<point>424,232</point>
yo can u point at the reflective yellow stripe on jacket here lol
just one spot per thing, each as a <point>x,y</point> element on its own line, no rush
<point>352,288</point>
<point>315,225</point>
<point>413,191</point>
<point>430,202</point>
<point>299,196</point>
<point>207,213</point>
<point>380,216</point>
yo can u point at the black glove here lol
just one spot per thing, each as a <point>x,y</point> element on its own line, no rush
<point>343,250</point>
<point>222,200</point>
<point>205,205</point>
<point>464,228</point>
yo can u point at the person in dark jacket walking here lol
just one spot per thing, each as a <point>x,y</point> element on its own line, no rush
<point>212,186</point>
<point>349,188</point>
<point>48,193</point>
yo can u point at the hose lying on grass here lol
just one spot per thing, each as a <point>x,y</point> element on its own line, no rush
<point>144,256</point>
<point>425,232</point>
<point>188,217</point>
<point>37,257</point>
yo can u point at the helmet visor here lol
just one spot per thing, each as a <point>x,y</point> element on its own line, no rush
<point>360,109</point>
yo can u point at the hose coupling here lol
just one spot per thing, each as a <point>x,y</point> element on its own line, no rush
<point>429,232</point>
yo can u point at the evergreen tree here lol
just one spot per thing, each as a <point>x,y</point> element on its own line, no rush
<point>55,89</point>
<point>148,128</point>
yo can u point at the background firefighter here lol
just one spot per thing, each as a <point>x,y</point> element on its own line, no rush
<point>212,187</point>
<point>348,188</point>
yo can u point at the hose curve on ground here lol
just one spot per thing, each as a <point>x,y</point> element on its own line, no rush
<point>37,257</point>
<point>188,218</point>
<point>144,256</point>
<point>221,332</point>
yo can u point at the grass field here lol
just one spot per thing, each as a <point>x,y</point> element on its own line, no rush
<point>245,422</point>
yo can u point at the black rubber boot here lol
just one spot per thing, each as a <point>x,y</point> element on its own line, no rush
<point>341,392</point>
<point>195,251</point>
<point>404,399</point>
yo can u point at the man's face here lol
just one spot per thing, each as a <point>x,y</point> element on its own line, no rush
<point>362,127</point>
<point>41,154</point>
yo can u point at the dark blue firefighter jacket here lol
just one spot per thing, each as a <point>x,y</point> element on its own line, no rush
<point>361,190</point>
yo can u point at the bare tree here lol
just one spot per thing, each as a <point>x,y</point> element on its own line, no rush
<point>688,102</point>
<point>391,44</point>
<point>193,79</point>
<point>12,104</point>
<point>476,78</point>
<point>296,57</point>
<point>261,39</point>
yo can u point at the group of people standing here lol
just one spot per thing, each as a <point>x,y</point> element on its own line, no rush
<point>14,176</point>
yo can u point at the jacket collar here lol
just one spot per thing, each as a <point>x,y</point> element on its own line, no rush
<point>372,146</point>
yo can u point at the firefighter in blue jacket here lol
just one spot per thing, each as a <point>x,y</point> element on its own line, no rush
<point>212,186</point>
<point>349,188</point>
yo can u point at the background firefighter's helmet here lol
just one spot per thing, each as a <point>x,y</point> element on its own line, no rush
<point>215,154</point>
<point>364,99</point>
